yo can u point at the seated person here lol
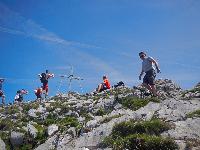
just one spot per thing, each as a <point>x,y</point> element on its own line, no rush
<point>105,85</point>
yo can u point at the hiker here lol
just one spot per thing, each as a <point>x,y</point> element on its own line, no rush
<point>38,93</point>
<point>105,85</point>
<point>150,74</point>
<point>19,95</point>
<point>1,91</point>
<point>44,77</point>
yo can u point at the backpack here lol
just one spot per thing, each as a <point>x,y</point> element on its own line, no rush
<point>43,79</point>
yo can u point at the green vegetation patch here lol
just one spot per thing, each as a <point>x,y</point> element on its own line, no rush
<point>101,111</point>
<point>152,127</point>
<point>107,119</point>
<point>135,103</point>
<point>144,135</point>
<point>141,142</point>
<point>194,114</point>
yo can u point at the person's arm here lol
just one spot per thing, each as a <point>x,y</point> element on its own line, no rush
<point>140,76</point>
<point>156,64</point>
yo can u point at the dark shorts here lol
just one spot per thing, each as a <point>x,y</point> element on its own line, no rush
<point>149,77</point>
<point>38,95</point>
<point>1,93</point>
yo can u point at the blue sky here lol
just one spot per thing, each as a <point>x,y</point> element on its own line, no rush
<point>97,37</point>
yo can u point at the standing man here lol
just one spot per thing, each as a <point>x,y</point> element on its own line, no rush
<point>1,91</point>
<point>148,67</point>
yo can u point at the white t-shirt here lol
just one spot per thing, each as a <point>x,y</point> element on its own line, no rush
<point>147,64</point>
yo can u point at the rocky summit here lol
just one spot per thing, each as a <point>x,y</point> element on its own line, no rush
<point>120,118</point>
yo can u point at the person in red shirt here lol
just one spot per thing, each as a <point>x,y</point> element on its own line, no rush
<point>105,85</point>
<point>38,92</point>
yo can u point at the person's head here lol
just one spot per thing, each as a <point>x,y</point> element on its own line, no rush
<point>142,55</point>
<point>47,71</point>
<point>104,77</point>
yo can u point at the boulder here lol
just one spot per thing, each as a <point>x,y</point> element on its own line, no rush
<point>49,144</point>
<point>52,129</point>
<point>16,138</point>
<point>2,145</point>
<point>32,130</point>
<point>32,113</point>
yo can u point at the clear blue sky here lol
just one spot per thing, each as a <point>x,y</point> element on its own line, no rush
<point>97,37</point>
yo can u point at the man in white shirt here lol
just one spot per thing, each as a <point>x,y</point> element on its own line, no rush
<point>150,74</point>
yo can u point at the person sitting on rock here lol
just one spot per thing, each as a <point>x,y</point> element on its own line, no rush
<point>105,85</point>
<point>19,95</point>
<point>1,91</point>
<point>148,67</point>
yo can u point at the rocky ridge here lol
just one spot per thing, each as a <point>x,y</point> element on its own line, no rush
<point>68,122</point>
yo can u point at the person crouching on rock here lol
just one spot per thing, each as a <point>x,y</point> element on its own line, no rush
<point>38,93</point>
<point>105,85</point>
<point>19,95</point>
<point>150,74</point>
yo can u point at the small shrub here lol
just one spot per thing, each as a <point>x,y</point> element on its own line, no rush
<point>107,119</point>
<point>144,135</point>
<point>134,103</point>
<point>42,133</point>
<point>152,127</point>
<point>146,142</point>
<point>51,119</point>
<point>193,114</point>
<point>72,121</point>
<point>100,112</point>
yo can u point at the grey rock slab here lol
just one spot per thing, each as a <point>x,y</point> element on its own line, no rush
<point>176,110</point>
<point>32,113</point>
<point>2,145</point>
<point>181,144</point>
<point>16,138</point>
<point>52,129</point>
<point>32,130</point>
<point>63,140</point>
<point>49,144</point>
<point>188,129</point>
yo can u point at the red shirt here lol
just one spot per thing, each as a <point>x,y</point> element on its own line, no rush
<point>107,83</point>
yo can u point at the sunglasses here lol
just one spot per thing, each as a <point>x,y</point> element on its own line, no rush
<point>141,56</point>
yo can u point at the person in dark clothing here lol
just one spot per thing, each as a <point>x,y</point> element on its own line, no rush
<point>19,95</point>
<point>44,78</point>
<point>2,95</point>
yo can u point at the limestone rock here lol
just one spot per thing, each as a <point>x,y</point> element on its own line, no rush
<point>52,129</point>
<point>16,138</point>
<point>2,145</point>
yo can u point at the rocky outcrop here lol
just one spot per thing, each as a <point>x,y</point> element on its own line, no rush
<point>82,121</point>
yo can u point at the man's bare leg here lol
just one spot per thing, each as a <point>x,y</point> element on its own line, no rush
<point>153,90</point>
<point>147,86</point>
<point>99,87</point>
